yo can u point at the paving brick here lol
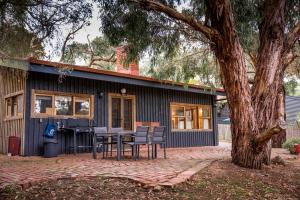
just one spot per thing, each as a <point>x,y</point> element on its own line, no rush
<point>180,165</point>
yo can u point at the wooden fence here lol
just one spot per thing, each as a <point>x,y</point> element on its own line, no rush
<point>225,132</point>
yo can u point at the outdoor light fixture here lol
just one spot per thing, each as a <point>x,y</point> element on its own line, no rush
<point>100,94</point>
<point>123,91</point>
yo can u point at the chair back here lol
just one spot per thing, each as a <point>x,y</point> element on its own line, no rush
<point>116,130</point>
<point>158,134</point>
<point>141,134</point>
<point>100,130</point>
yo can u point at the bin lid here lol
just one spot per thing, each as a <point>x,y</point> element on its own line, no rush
<point>50,140</point>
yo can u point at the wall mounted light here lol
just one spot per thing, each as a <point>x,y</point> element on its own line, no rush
<point>100,94</point>
<point>123,91</point>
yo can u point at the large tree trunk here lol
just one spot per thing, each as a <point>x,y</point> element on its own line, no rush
<point>251,110</point>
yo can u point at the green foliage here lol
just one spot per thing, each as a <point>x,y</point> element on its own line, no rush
<point>18,42</point>
<point>289,144</point>
<point>188,66</point>
<point>44,19</point>
<point>98,48</point>
<point>291,84</point>
<point>158,36</point>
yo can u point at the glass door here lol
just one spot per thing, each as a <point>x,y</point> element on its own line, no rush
<point>122,111</point>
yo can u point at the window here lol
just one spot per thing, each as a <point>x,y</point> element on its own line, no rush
<point>14,105</point>
<point>190,117</point>
<point>43,104</point>
<point>82,106</point>
<point>58,104</point>
<point>63,105</point>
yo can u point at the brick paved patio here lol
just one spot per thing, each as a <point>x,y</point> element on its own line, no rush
<point>180,165</point>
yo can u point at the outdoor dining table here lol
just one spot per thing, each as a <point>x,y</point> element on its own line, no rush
<point>119,135</point>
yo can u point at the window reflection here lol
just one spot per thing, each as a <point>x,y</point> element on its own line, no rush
<point>82,106</point>
<point>43,104</point>
<point>63,105</point>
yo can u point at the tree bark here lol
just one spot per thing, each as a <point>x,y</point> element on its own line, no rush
<point>251,111</point>
<point>279,139</point>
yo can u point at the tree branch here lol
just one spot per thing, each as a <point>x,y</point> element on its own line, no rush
<point>252,57</point>
<point>267,135</point>
<point>292,37</point>
<point>209,32</point>
<point>70,34</point>
<point>107,59</point>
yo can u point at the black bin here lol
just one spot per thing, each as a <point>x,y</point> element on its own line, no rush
<point>50,147</point>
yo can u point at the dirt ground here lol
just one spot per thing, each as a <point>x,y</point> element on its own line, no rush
<point>221,180</point>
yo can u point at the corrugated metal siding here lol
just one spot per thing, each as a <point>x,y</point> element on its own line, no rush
<point>152,104</point>
<point>292,105</point>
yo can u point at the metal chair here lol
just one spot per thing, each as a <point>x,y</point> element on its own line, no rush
<point>140,137</point>
<point>114,139</point>
<point>158,137</point>
<point>99,140</point>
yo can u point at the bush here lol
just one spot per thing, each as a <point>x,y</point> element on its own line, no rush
<point>289,144</point>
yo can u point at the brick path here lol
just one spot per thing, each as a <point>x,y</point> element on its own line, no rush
<point>180,165</point>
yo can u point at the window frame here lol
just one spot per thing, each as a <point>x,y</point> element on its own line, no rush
<point>53,95</point>
<point>19,115</point>
<point>184,105</point>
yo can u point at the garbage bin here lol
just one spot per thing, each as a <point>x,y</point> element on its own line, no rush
<point>14,145</point>
<point>50,147</point>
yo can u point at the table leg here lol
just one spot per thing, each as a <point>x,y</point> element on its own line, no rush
<point>118,147</point>
<point>75,144</point>
<point>94,147</point>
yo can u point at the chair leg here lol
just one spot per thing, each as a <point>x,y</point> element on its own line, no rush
<point>148,152</point>
<point>123,150</point>
<point>135,152</point>
<point>165,153</point>
<point>111,145</point>
<point>152,151</point>
<point>106,150</point>
<point>132,149</point>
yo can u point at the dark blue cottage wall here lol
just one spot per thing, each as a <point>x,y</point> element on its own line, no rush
<point>152,104</point>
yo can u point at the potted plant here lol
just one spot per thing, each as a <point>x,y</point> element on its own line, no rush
<point>292,145</point>
<point>297,148</point>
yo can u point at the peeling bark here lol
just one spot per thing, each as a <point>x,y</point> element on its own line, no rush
<point>252,111</point>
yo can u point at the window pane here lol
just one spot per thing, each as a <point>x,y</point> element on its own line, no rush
<point>206,112</point>
<point>20,104</point>
<point>116,112</point>
<point>82,106</point>
<point>178,122</point>
<point>177,111</point>
<point>43,104</point>
<point>14,106</point>
<point>191,117</point>
<point>128,114</point>
<point>8,107</point>
<point>63,105</point>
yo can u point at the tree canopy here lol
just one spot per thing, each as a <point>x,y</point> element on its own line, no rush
<point>42,18</point>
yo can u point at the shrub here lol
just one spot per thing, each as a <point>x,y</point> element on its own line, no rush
<point>289,144</point>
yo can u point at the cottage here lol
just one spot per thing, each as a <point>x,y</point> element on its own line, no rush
<point>35,93</point>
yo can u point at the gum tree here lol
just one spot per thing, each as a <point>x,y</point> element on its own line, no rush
<point>223,25</point>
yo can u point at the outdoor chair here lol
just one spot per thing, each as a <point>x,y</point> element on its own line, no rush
<point>99,140</point>
<point>114,139</point>
<point>158,137</point>
<point>140,137</point>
